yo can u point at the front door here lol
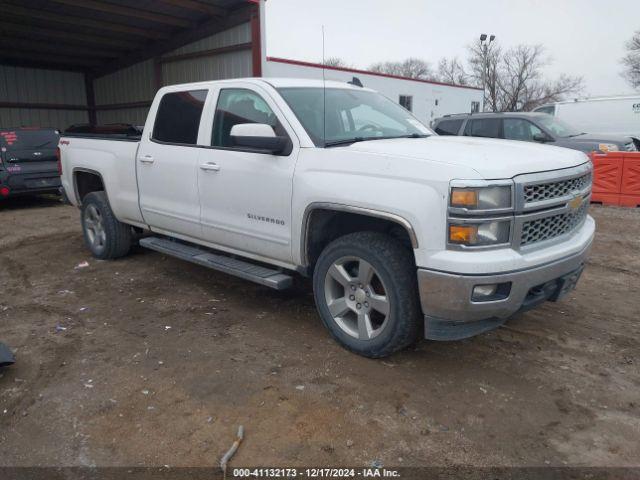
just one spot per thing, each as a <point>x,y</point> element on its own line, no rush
<point>167,165</point>
<point>245,197</point>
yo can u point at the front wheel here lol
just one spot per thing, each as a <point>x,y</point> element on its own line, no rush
<point>365,289</point>
<point>104,235</point>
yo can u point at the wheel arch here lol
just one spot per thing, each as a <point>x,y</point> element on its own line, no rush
<point>82,186</point>
<point>321,214</point>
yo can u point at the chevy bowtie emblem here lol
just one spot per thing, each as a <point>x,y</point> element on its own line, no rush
<point>575,202</point>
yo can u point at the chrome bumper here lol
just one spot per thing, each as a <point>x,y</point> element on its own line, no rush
<point>446,297</point>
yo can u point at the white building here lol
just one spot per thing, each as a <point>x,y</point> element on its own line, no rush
<point>426,99</point>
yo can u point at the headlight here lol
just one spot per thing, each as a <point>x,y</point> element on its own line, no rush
<point>481,198</point>
<point>608,147</point>
<point>480,234</point>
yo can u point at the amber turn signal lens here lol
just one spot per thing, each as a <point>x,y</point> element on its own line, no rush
<point>464,198</point>
<point>466,234</point>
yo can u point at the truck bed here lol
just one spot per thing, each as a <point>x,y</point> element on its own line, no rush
<point>120,131</point>
<point>110,153</point>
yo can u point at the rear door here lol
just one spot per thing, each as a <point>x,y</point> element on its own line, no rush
<point>29,158</point>
<point>167,164</point>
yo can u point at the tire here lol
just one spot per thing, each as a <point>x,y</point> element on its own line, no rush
<point>104,235</point>
<point>351,300</point>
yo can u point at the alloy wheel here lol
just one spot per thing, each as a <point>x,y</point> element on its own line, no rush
<point>357,298</point>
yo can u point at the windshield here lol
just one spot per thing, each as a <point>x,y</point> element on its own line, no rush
<point>351,115</point>
<point>557,127</point>
<point>21,139</point>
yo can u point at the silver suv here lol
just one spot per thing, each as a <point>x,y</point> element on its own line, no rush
<point>531,127</point>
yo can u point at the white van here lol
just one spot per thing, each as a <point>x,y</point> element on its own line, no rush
<point>611,115</point>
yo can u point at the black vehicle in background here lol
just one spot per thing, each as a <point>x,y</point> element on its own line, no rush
<point>531,127</point>
<point>28,161</point>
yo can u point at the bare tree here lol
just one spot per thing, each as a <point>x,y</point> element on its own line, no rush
<point>513,79</point>
<point>452,71</point>
<point>631,61</point>
<point>539,93</point>
<point>411,68</point>
<point>335,62</point>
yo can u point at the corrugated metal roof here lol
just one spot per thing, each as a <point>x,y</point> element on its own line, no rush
<point>102,36</point>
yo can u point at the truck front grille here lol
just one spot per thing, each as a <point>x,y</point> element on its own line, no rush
<point>549,191</point>
<point>546,228</point>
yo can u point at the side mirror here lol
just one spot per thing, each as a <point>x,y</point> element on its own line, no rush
<point>541,137</point>
<point>259,137</point>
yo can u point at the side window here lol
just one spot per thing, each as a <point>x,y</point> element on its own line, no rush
<point>239,105</point>
<point>520,129</point>
<point>178,117</point>
<point>449,127</point>
<point>484,127</point>
<point>475,107</point>
<point>407,102</point>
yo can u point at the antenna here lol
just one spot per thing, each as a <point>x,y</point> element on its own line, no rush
<point>324,95</point>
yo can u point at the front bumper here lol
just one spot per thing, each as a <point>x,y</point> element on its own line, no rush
<point>450,313</point>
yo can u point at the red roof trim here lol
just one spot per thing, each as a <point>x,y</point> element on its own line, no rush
<point>365,72</point>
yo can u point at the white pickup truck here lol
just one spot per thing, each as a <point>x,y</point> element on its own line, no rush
<point>403,231</point>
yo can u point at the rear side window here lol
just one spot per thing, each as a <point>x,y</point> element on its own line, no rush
<point>449,127</point>
<point>178,117</point>
<point>485,127</point>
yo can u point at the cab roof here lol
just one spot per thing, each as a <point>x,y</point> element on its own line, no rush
<point>274,82</point>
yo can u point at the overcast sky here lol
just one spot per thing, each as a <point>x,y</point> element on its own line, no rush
<point>583,37</point>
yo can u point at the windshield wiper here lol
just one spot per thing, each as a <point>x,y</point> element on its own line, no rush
<point>348,141</point>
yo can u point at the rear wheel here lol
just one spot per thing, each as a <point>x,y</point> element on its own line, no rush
<point>366,293</point>
<point>104,235</point>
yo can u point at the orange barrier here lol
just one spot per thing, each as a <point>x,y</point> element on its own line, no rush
<point>616,178</point>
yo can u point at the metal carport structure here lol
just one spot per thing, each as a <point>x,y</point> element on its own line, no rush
<point>101,61</point>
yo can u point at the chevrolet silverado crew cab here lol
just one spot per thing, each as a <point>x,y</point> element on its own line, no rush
<point>403,231</point>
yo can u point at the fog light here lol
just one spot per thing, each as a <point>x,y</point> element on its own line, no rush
<point>483,291</point>
<point>491,292</point>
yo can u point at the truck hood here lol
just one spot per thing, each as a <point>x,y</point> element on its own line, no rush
<point>492,159</point>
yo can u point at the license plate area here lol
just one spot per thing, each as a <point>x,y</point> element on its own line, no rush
<point>566,284</point>
<point>41,182</point>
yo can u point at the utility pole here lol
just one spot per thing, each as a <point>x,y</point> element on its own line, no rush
<point>484,45</point>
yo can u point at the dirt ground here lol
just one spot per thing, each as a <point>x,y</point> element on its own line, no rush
<point>151,361</point>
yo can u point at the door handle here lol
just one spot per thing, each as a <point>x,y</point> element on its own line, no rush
<point>210,166</point>
<point>146,159</point>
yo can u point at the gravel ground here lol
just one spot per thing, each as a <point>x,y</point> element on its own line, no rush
<point>150,361</point>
